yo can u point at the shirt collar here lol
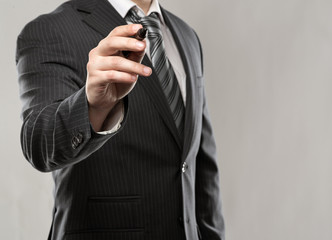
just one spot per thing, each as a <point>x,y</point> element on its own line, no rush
<point>123,7</point>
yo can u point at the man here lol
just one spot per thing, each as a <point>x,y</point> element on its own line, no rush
<point>131,157</point>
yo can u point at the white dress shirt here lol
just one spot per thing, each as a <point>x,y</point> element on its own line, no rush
<point>172,52</point>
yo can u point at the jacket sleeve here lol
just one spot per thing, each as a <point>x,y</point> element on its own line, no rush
<point>208,198</point>
<point>209,216</point>
<point>56,130</point>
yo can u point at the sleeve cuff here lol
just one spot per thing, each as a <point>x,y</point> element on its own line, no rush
<point>113,121</point>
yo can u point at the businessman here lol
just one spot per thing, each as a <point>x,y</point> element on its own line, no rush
<point>120,122</point>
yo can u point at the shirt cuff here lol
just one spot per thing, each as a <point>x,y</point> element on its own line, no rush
<point>114,119</point>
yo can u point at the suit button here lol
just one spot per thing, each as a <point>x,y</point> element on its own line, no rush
<point>76,140</point>
<point>79,137</point>
<point>184,167</point>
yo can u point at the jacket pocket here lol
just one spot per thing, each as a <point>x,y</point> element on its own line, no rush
<point>104,235</point>
<point>115,213</point>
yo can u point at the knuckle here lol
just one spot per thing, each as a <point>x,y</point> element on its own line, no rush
<point>116,62</point>
<point>92,53</point>
<point>114,31</point>
<point>112,62</point>
<point>92,63</point>
<point>130,42</point>
<point>139,68</point>
<point>106,43</point>
<point>91,74</point>
<point>101,42</point>
<point>89,66</point>
<point>118,30</point>
<point>110,74</point>
<point>133,77</point>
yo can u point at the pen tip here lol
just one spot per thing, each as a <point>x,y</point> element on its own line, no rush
<point>142,32</point>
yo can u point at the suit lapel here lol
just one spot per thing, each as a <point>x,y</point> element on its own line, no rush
<point>104,18</point>
<point>153,89</point>
<point>191,104</point>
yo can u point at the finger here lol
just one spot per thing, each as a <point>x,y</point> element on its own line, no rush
<point>125,30</point>
<point>111,46</point>
<point>113,76</point>
<point>122,64</point>
<point>120,31</point>
<point>136,56</point>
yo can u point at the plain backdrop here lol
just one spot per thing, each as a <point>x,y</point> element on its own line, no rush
<point>268,69</point>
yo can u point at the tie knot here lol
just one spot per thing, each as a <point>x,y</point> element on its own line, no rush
<point>150,22</point>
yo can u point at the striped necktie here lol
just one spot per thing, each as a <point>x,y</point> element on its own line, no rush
<point>162,66</point>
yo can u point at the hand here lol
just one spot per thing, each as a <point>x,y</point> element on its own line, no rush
<point>111,76</point>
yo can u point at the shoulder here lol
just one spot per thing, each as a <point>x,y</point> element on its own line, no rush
<point>187,34</point>
<point>51,22</point>
<point>185,30</point>
<point>179,23</point>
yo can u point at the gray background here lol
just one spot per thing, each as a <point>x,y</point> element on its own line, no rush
<point>268,77</point>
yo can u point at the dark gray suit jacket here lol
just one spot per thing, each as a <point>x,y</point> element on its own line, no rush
<point>142,182</point>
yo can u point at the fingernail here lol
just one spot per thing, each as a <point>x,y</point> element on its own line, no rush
<point>133,78</point>
<point>139,44</point>
<point>147,70</point>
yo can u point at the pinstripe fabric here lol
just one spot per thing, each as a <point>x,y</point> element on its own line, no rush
<point>128,185</point>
